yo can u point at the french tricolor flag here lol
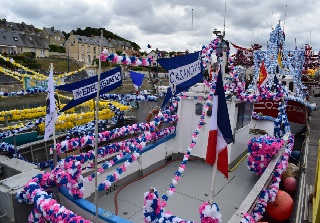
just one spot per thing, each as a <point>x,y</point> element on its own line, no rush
<point>220,133</point>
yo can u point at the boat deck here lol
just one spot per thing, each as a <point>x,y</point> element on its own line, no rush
<point>192,190</point>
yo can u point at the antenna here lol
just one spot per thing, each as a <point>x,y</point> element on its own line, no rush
<point>272,15</point>
<point>310,37</point>
<point>192,21</point>
<point>224,19</point>
<point>284,20</point>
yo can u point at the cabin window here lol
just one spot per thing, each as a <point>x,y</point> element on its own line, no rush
<point>291,86</point>
<point>244,114</point>
<point>209,112</point>
<point>198,108</point>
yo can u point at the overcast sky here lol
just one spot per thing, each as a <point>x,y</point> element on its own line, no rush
<point>170,24</point>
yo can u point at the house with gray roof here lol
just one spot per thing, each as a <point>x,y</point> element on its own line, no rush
<point>53,36</point>
<point>86,49</point>
<point>121,45</point>
<point>106,44</point>
<point>82,48</point>
<point>16,42</point>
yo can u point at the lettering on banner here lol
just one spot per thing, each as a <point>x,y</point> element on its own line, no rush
<point>92,88</point>
<point>183,73</point>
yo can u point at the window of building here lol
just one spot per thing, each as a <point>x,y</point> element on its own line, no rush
<point>82,48</point>
<point>244,114</point>
<point>15,38</point>
<point>42,53</point>
<point>198,108</point>
<point>58,37</point>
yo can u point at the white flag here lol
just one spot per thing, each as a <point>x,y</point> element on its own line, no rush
<point>51,113</point>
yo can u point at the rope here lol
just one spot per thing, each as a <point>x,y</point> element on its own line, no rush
<point>237,164</point>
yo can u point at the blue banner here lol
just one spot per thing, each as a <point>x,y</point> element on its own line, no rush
<point>184,72</point>
<point>85,90</point>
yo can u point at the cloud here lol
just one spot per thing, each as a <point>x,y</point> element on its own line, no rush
<point>175,25</point>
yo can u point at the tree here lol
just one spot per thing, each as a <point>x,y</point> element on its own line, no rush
<point>89,31</point>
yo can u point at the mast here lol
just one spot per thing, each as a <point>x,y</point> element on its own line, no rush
<point>96,134</point>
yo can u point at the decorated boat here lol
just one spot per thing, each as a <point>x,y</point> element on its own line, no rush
<point>280,70</point>
<point>205,126</point>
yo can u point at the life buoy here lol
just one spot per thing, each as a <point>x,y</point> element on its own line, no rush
<point>150,115</point>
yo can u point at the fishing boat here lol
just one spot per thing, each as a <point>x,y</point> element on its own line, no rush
<point>284,68</point>
<point>138,163</point>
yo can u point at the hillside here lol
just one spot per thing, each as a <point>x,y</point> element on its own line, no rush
<point>89,31</point>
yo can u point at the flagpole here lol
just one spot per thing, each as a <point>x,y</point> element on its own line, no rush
<point>54,131</point>
<point>96,133</point>
<point>213,180</point>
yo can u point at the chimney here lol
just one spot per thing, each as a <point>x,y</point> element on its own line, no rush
<point>109,39</point>
<point>52,28</point>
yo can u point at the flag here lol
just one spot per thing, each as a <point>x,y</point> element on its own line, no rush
<point>137,79</point>
<point>279,59</point>
<point>220,133</point>
<point>262,75</point>
<point>85,90</point>
<point>184,72</point>
<point>51,113</point>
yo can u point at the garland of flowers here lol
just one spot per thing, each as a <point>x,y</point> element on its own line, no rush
<point>85,129</point>
<point>37,76</point>
<point>153,212</point>
<point>134,61</point>
<point>260,116</point>
<point>67,173</point>
<point>37,90</point>
<point>269,195</point>
<point>28,113</point>
<point>124,148</point>
<point>281,123</point>
<point>68,121</point>
<point>260,152</point>
<point>26,127</point>
<point>182,165</point>
<point>125,98</point>
<point>76,143</point>
<point>10,73</point>
<point>207,51</point>
<point>215,217</point>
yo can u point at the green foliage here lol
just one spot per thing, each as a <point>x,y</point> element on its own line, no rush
<point>56,48</point>
<point>30,54</point>
<point>89,31</point>
<point>27,59</point>
<point>119,52</point>
<point>172,53</point>
<point>138,68</point>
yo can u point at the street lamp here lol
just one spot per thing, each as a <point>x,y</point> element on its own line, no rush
<point>69,53</point>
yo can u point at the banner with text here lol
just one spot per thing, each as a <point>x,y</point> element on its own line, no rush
<point>85,90</point>
<point>184,72</point>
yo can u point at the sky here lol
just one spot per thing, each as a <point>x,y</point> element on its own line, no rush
<point>176,25</point>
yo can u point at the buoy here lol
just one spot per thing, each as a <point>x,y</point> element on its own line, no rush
<point>290,184</point>
<point>294,157</point>
<point>282,207</point>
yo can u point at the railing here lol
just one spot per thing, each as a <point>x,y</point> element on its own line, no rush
<point>316,198</point>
